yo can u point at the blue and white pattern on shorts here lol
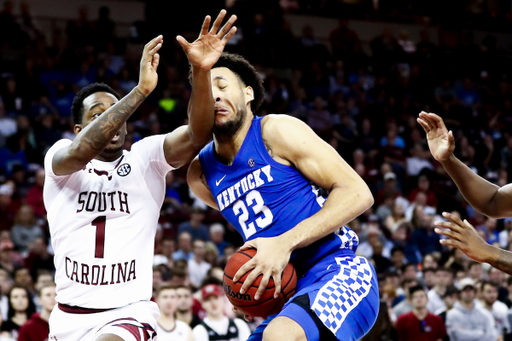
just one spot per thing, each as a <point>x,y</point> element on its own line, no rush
<point>349,239</point>
<point>338,297</point>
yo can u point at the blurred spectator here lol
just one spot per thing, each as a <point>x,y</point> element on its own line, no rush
<point>424,237</point>
<point>396,218</point>
<point>184,311</point>
<point>424,187</point>
<point>343,41</point>
<point>505,235</point>
<point>385,209</point>
<point>25,230</point>
<point>80,32</point>
<point>499,310</point>
<point>21,307</point>
<point>7,257</point>
<point>217,237</point>
<point>104,28</point>
<point>6,207</point>
<point>44,278</point>
<point>195,226</point>
<point>184,247</point>
<point>442,280</point>
<point>390,188</point>
<point>450,296</point>
<point>466,321</point>
<point>168,327</point>
<point>197,267</point>
<point>37,328</point>
<point>211,254</point>
<point>475,271</point>
<point>39,258</point>
<point>407,45</point>
<point>215,325</point>
<point>405,305</point>
<point>21,277</point>
<point>419,324</point>
<point>320,119</point>
<point>35,195</point>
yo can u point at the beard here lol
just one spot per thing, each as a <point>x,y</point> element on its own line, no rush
<point>228,129</point>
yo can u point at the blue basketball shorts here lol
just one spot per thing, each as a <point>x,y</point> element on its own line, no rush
<point>337,299</point>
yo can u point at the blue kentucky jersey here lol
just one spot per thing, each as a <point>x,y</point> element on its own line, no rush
<point>261,197</point>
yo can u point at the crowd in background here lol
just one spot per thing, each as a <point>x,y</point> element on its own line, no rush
<point>363,104</point>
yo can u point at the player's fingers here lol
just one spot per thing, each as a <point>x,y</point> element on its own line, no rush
<point>155,49</point>
<point>277,283</point>
<point>248,245</point>
<point>218,21</point>
<point>451,139</point>
<point>227,26</point>
<point>249,280</point>
<point>453,218</point>
<point>156,61</point>
<point>452,242</point>
<point>248,318</point>
<point>263,285</point>
<point>152,43</point>
<point>230,34</point>
<point>448,225</point>
<point>244,269</point>
<point>448,233</point>
<point>423,124</point>
<point>185,45</point>
<point>437,120</point>
<point>206,25</point>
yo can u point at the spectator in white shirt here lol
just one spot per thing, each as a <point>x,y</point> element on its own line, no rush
<point>197,266</point>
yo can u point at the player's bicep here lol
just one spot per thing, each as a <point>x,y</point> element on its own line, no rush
<point>502,202</point>
<point>312,156</point>
<point>178,147</point>
<point>64,163</point>
<point>197,182</point>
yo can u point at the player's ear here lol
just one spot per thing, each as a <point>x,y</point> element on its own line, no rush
<point>78,128</point>
<point>249,94</point>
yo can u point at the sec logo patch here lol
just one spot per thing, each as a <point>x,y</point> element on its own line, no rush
<point>124,169</point>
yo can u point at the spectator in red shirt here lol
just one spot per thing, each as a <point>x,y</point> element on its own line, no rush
<point>420,324</point>
<point>35,195</point>
<point>424,186</point>
<point>37,328</point>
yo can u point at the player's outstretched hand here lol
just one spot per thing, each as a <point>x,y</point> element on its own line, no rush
<point>148,64</point>
<point>440,140</point>
<point>206,50</point>
<point>270,260</point>
<point>463,236</point>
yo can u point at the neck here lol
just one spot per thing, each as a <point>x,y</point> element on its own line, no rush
<point>108,156</point>
<point>20,317</point>
<point>45,315</point>
<point>487,305</point>
<point>167,320</point>
<point>468,305</point>
<point>185,316</point>
<point>440,290</point>
<point>420,313</point>
<point>226,147</point>
<point>216,317</point>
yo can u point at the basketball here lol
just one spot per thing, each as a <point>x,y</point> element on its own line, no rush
<point>267,304</point>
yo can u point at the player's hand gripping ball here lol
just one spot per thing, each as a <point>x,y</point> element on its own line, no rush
<point>266,305</point>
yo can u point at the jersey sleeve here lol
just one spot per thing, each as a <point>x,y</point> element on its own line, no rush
<point>150,151</point>
<point>48,158</point>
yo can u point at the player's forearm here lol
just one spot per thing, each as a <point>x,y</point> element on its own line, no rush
<point>342,206</point>
<point>500,259</point>
<point>96,136</point>
<point>200,108</point>
<point>478,192</point>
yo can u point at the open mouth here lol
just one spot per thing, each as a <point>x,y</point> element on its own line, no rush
<point>116,137</point>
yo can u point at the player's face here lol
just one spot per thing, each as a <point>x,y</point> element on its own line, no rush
<point>93,107</point>
<point>167,301</point>
<point>232,100</point>
<point>19,299</point>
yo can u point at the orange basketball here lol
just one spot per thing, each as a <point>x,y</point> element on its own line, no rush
<point>266,305</point>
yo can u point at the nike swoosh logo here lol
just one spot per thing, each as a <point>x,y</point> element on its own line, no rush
<point>217,182</point>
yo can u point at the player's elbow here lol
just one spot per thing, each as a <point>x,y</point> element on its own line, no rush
<point>367,199</point>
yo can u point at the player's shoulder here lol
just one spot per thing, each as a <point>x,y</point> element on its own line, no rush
<point>58,145</point>
<point>279,126</point>
<point>153,140</point>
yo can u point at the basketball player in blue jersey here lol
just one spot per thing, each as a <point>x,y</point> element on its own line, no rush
<point>262,174</point>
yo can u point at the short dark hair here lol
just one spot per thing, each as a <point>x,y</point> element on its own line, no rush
<point>245,72</point>
<point>165,287</point>
<point>397,248</point>
<point>492,284</point>
<point>415,288</point>
<point>430,270</point>
<point>78,101</point>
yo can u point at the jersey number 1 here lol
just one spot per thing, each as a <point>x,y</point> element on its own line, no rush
<point>100,235</point>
